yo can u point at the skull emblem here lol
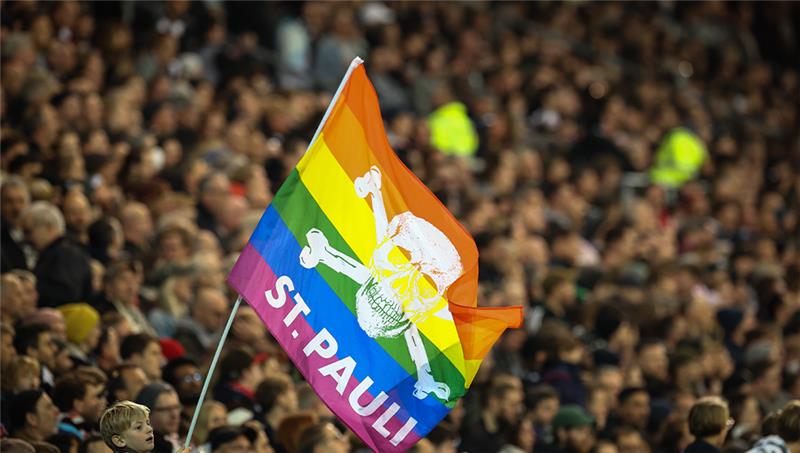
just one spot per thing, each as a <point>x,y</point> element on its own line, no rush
<point>396,291</point>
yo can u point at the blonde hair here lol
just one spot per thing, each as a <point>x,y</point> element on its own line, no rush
<point>201,428</point>
<point>708,416</point>
<point>120,417</point>
<point>19,367</point>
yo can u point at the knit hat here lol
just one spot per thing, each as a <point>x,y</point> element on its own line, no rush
<point>150,393</point>
<point>80,320</point>
<point>171,348</point>
<point>572,416</point>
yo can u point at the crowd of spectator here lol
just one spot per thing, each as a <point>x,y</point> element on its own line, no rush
<point>141,142</point>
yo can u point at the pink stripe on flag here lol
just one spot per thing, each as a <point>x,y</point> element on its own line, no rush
<point>259,278</point>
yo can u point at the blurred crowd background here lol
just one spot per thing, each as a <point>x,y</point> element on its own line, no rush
<point>630,173</point>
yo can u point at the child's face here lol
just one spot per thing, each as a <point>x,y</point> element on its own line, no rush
<point>139,437</point>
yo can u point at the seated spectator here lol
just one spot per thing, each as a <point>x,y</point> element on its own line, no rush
<point>633,410</point>
<point>184,376</point>
<point>573,428</point>
<point>323,438</point>
<point>80,396</point>
<point>12,308</point>
<point>503,408</point>
<point>520,438</point>
<point>62,269</point>
<point>291,428</point>
<point>14,200</point>
<point>239,376</point>
<point>36,342</point>
<point>213,414</point>
<point>107,351</point>
<point>144,351</point>
<point>50,317</point>
<point>228,439</point>
<point>277,399</point>
<point>83,331</point>
<point>200,332</point>
<point>22,373</point>
<point>542,403</point>
<point>630,440</point>
<point>165,415</point>
<point>35,417</point>
<point>258,437</point>
<point>125,382</point>
<point>709,423</point>
<point>121,285</point>
<point>7,351</point>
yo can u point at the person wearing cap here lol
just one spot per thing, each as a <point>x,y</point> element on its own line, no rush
<point>83,331</point>
<point>574,429</point>
<point>165,415</point>
<point>709,423</point>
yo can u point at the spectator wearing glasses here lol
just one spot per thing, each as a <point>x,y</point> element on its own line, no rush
<point>165,415</point>
<point>709,423</point>
<point>185,376</point>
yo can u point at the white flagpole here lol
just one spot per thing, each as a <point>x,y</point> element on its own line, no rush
<point>211,371</point>
<point>353,64</point>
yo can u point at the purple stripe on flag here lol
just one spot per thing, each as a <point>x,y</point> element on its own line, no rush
<point>252,284</point>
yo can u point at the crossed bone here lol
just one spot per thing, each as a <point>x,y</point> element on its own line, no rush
<point>378,307</point>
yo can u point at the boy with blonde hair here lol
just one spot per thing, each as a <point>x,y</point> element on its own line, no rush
<point>125,427</point>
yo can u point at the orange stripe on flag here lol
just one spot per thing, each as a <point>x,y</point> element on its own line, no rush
<point>355,135</point>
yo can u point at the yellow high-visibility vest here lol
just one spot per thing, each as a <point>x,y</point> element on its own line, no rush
<point>452,132</point>
<point>679,158</point>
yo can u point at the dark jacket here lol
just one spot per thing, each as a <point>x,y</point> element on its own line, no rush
<point>13,257</point>
<point>701,446</point>
<point>64,274</point>
<point>566,379</point>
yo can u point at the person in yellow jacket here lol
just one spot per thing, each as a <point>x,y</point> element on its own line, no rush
<point>679,158</point>
<point>452,131</point>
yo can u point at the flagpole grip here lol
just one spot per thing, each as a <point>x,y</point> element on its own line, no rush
<point>353,65</point>
<point>211,371</point>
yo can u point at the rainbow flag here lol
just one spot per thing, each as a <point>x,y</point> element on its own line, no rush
<point>368,282</point>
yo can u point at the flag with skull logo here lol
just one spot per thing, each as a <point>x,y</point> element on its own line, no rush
<point>368,282</point>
